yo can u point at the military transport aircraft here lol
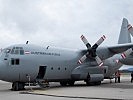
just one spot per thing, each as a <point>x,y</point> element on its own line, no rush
<point>50,64</point>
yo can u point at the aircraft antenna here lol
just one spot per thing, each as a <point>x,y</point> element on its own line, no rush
<point>27,42</point>
<point>47,47</point>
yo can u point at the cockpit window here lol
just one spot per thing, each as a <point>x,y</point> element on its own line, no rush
<point>21,52</point>
<point>17,47</point>
<point>7,50</point>
<point>12,52</point>
<point>17,50</point>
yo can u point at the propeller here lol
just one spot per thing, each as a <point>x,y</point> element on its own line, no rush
<point>91,51</point>
<point>125,54</point>
<point>130,29</point>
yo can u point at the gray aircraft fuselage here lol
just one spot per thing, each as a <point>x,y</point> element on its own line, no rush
<point>18,61</point>
<point>58,64</point>
<point>53,65</point>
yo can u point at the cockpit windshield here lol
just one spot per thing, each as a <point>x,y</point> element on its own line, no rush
<point>17,50</point>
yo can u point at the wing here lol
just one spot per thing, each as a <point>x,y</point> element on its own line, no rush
<point>106,52</point>
<point>120,48</point>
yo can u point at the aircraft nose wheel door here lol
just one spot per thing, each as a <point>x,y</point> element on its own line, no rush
<point>41,73</point>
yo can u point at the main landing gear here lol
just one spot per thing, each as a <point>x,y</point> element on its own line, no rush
<point>88,83</point>
<point>16,86</point>
<point>65,83</point>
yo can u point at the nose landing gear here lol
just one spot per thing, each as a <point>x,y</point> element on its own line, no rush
<point>16,86</point>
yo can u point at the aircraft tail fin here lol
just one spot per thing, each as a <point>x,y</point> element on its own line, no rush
<point>124,36</point>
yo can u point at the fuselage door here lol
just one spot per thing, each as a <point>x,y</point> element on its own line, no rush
<point>41,73</point>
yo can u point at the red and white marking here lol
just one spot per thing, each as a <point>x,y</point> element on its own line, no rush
<point>129,26</point>
<point>80,62</point>
<point>123,55</point>
<point>101,64</point>
<point>84,39</point>
<point>101,40</point>
<point>103,37</point>
<point>27,52</point>
<point>117,61</point>
<point>126,53</point>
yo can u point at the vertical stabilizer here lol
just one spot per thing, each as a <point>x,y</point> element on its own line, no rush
<point>124,36</point>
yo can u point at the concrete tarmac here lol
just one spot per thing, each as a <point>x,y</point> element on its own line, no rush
<point>105,91</point>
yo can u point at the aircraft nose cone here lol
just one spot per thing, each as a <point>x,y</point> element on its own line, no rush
<point>1,69</point>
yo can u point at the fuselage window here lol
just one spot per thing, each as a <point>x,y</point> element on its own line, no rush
<point>59,68</point>
<point>51,68</point>
<point>65,68</point>
<point>104,71</point>
<point>12,61</point>
<point>15,61</point>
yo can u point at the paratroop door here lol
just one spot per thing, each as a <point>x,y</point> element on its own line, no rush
<point>41,73</point>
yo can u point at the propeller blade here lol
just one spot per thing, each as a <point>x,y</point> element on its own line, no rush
<point>91,52</point>
<point>130,29</point>
<point>126,53</point>
<point>99,61</point>
<point>99,42</point>
<point>85,41</point>
<point>82,59</point>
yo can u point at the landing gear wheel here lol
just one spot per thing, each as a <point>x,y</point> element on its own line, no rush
<point>71,83</point>
<point>63,83</point>
<point>16,86</point>
<point>98,83</point>
<point>88,80</point>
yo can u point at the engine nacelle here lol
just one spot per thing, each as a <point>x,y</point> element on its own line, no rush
<point>127,61</point>
<point>82,72</point>
<point>96,77</point>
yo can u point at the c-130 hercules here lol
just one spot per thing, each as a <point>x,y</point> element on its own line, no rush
<point>63,65</point>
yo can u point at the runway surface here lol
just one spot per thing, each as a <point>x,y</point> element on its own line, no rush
<point>105,91</point>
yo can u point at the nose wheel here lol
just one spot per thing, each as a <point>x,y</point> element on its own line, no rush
<point>16,86</point>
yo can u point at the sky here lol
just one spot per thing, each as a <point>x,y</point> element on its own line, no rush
<point>60,23</point>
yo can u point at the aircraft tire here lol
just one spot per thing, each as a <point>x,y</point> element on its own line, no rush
<point>98,83</point>
<point>16,86</point>
<point>64,83</point>
<point>88,80</point>
<point>71,83</point>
